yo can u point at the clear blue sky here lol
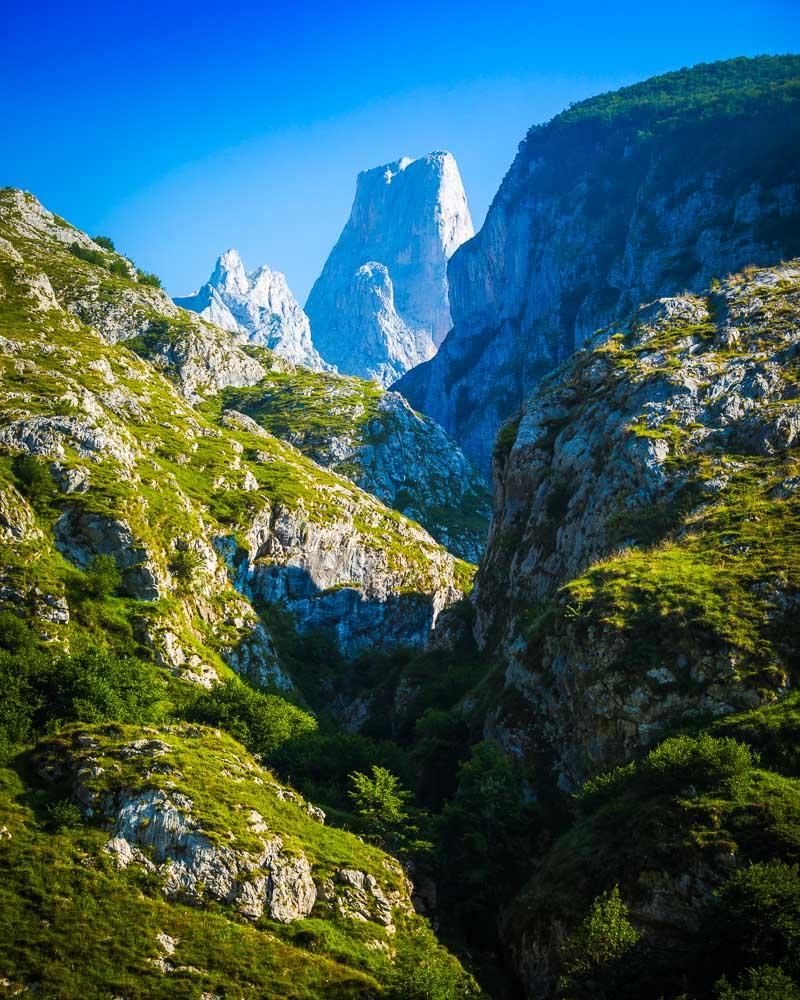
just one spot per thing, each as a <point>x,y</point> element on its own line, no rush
<point>182,129</point>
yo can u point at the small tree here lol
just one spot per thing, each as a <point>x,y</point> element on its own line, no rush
<point>380,802</point>
<point>604,936</point>
<point>103,577</point>
<point>105,242</point>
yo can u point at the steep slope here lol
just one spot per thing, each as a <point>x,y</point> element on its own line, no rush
<point>641,582</point>
<point>632,195</point>
<point>258,307</point>
<point>164,861</point>
<point>376,439</point>
<point>645,528</point>
<point>381,304</point>
<point>201,519</point>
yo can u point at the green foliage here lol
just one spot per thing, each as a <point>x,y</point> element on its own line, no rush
<point>34,481</point>
<point>380,803</point>
<point>64,815</point>
<point>604,936</point>
<point>762,983</point>
<point>263,722</point>
<point>757,919</point>
<point>426,971</point>
<point>96,686</point>
<point>88,255</point>
<point>102,577</point>
<point>483,834</point>
<point>105,242</point>
<point>185,565</point>
<point>147,278</point>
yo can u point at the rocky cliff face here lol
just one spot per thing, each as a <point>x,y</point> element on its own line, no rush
<point>381,304</point>
<point>624,578</point>
<point>640,582</point>
<point>258,307</point>
<point>374,438</point>
<point>198,515</point>
<point>643,193</point>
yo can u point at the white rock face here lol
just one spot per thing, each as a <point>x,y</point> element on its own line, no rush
<point>381,304</point>
<point>257,306</point>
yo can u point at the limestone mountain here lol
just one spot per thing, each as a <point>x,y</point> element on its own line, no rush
<point>621,199</point>
<point>381,304</point>
<point>145,477</point>
<point>151,555</point>
<point>640,586</point>
<point>257,307</point>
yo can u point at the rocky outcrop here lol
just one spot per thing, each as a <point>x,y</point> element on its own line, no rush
<point>619,200</point>
<point>257,307</point>
<point>157,819</point>
<point>381,304</point>
<point>374,438</point>
<point>622,558</point>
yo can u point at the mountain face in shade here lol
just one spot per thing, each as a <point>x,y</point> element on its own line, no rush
<point>381,304</point>
<point>259,306</point>
<point>621,199</point>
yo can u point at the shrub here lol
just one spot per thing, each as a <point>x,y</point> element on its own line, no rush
<point>105,242</point>
<point>65,815</point>
<point>185,564</point>
<point>702,761</point>
<point>764,983</point>
<point>102,577</point>
<point>425,971</point>
<point>757,920</point>
<point>263,722</point>
<point>34,481</point>
<point>604,936</point>
<point>97,686</point>
<point>145,278</point>
<point>96,257</point>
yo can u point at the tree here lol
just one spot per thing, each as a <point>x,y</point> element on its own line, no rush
<point>604,936</point>
<point>380,802</point>
<point>105,242</point>
<point>103,577</point>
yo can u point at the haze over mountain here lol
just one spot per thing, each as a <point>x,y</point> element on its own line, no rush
<point>381,304</point>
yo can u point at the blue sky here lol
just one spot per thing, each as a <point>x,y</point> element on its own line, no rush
<point>182,129</point>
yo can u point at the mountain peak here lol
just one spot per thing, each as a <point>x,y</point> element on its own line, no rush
<point>409,216</point>
<point>258,306</point>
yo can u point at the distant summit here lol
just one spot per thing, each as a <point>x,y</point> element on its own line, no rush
<point>381,304</point>
<point>259,306</point>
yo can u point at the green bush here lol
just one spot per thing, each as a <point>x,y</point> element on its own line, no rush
<point>145,278</point>
<point>102,577</point>
<point>34,481</point>
<point>185,565</point>
<point>105,242</point>
<point>97,686</point>
<point>425,971</point>
<point>263,722</point>
<point>757,920</point>
<point>65,815</point>
<point>764,983</point>
<point>96,257</point>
